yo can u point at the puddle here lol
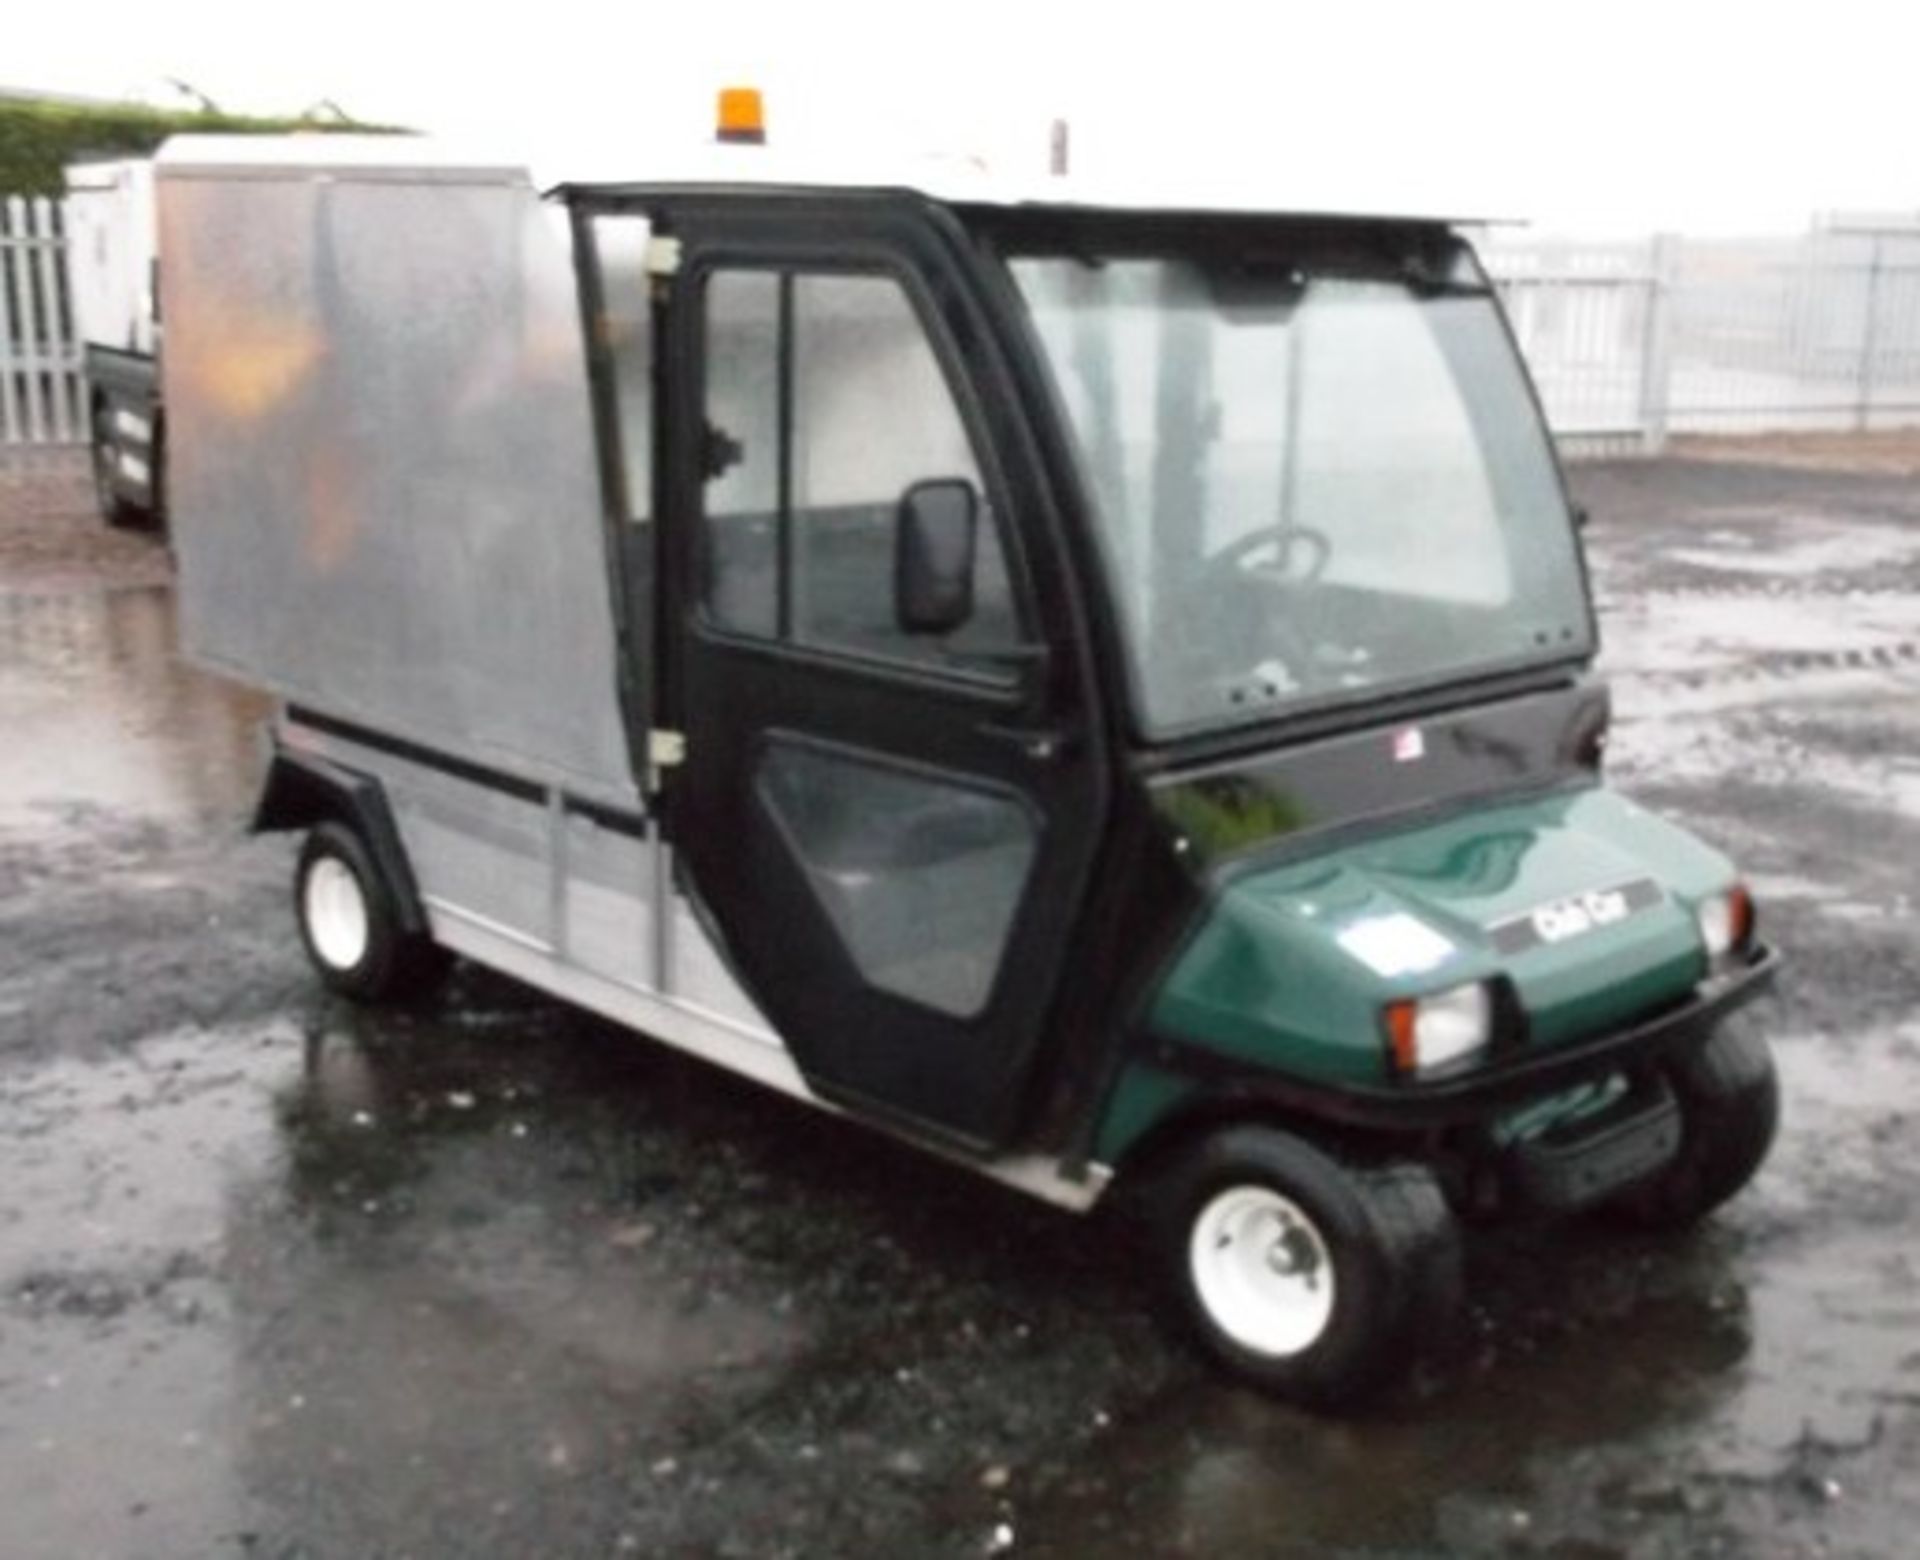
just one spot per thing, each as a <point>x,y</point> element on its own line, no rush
<point>1243,1477</point>
<point>100,713</point>
<point>1676,634</point>
<point>1798,546</point>
<point>232,1258</point>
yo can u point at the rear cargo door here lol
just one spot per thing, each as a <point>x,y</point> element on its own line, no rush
<point>889,831</point>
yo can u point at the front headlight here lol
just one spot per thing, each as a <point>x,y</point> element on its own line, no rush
<point>1726,924</point>
<point>1433,1031</point>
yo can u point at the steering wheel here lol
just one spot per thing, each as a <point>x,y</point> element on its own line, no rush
<point>1284,539</point>
<point>1247,615</point>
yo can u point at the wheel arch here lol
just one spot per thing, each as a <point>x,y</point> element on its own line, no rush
<point>302,790</point>
<point>1206,1112</point>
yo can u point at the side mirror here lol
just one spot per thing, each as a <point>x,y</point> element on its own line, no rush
<point>934,540</point>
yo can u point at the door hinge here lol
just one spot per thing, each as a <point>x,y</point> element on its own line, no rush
<point>663,255</point>
<point>666,749</point>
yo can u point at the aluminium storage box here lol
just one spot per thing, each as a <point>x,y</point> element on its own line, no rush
<point>384,492</point>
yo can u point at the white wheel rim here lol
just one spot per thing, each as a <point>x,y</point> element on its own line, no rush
<point>336,912</point>
<point>1262,1270</point>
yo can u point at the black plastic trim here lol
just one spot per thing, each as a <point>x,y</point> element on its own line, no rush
<point>633,825</point>
<point>415,753</point>
<point>615,819</point>
<point>302,789</point>
<point>1419,1106</point>
<point>1566,1169</point>
<point>1253,812</point>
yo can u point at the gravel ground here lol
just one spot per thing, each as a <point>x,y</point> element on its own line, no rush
<point>488,1278</point>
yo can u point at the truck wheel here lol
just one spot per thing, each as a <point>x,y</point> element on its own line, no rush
<point>114,509</point>
<point>1729,1100</point>
<point>157,477</point>
<point>350,925</point>
<point>1308,1279</point>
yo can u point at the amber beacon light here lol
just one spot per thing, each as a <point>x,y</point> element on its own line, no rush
<point>742,116</point>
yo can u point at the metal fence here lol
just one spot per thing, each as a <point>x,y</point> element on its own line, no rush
<point>1630,342</point>
<point>42,395</point>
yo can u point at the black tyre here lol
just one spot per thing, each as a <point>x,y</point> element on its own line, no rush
<point>114,509</point>
<point>1315,1281</point>
<point>350,923</point>
<point>1729,1098</point>
<point>157,479</point>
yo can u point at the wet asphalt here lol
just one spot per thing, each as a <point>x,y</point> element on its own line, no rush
<point>486,1277</point>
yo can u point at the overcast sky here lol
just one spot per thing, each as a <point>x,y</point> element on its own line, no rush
<point>1615,117</point>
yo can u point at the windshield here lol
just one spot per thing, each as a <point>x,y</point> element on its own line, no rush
<point>1315,480</point>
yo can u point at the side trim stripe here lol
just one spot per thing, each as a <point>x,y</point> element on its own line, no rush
<point>619,821</point>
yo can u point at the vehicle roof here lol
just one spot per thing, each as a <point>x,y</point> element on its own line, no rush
<point>724,168</point>
<point>106,173</point>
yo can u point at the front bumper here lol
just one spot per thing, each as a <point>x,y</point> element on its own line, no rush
<point>1582,1163</point>
<point>1487,1088</point>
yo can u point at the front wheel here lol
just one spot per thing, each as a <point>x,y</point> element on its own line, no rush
<point>1729,1098</point>
<point>350,922</point>
<point>1314,1281</point>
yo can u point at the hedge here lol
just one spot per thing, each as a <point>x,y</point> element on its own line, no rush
<point>38,139</point>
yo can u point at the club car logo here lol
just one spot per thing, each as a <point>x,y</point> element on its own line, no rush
<point>1409,745</point>
<point>1570,917</point>
<point>1574,916</point>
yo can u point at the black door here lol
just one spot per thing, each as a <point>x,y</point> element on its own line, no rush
<point>888,827</point>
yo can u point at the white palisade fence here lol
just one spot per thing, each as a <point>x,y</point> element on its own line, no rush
<point>42,395</point>
<point>1632,341</point>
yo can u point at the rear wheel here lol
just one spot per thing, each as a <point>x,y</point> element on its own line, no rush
<point>1311,1280</point>
<point>350,922</point>
<point>1729,1098</point>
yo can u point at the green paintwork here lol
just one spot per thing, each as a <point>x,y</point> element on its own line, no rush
<point>1265,979</point>
<point>1145,1095</point>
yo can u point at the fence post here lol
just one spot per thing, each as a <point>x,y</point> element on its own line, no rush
<point>1656,342</point>
<point>1870,329</point>
<point>9,393</point>
<point>56,337</point>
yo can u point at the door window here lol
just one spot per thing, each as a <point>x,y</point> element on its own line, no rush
<point>742,455</point>
<point>919,874</point>
<point>825,403</point>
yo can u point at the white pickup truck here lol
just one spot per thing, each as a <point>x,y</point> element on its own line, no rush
<point>112,270</point>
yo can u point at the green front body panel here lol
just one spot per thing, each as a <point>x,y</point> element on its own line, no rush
<point>1281,973</point>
